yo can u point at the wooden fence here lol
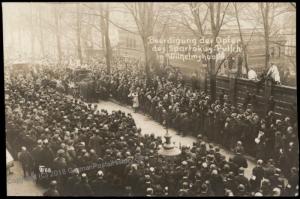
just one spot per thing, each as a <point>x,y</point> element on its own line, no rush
<point>285,97</point>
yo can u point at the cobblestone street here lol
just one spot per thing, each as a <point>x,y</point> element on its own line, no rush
<point>17,185</point>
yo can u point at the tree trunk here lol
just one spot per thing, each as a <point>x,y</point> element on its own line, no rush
<point>41,34</point>
<point>78,31</point>
<point>211,66</point>
<point>104,23</point>
<point>244,47</point>
<point>107,40</point>
<point>265,13</point>
<point>267,44</point>
<point>147,61</point>
<point>32,34</point>
<point>213,73</point>
<point>57,34</point>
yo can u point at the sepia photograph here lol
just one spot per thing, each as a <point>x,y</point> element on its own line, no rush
<point>153,99</point>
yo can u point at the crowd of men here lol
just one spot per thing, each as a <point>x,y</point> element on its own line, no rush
<point>191,111</point>
<point>81,151</point>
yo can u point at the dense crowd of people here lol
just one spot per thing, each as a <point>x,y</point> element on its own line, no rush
<point>169,100</point>
<point>82,151</point>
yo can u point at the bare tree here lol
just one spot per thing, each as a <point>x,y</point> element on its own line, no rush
<point>57,18</point>
<point>198,20</point>
<point>78,32</point>
<point>32,32</point>
<point>216,13</point>
<point>265,12</point>
<point>41,31</point>
<point>216,22</point>
<point>145,19</point>
<point>102,11</point>
<point>244,46</point>
<point>104,24</point>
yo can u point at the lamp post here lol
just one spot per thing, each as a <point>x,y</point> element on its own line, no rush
<point>168,149</point>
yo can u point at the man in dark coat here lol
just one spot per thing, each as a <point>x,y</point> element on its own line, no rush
<point>258,173</point>
<point>72,182</point>
<point>276,180</point>
<point>37,158</point>
<point>241,179</point>
<point>52,191</point>
<point>240,160</point>
<point>84,188</point>
<point>26,161</point>
<point>95,142</point>
<point>47,155</point>
<point>217,184</point>
<point>99,185</point>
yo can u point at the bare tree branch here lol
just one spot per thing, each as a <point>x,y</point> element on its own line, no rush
<point>221,23</point>
<point>113,23</point>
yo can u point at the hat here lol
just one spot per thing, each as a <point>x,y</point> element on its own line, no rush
<point>241,187</point>
<point>134,166</point>
<point>148,182</point>
<point>53,183</point>
<point>259,162</point>
<point>276,191</point>
<point>278,121</point>
<point>241,170</point>
<point>100,173</point>
<point>62,145</point>
<point>228,192</point>
<point>233,114</point>
<point>75,171</point>
<point>290,129</point>
<point>258,194</point>
<point>204,187</point>
<point>214,172</point>
<point>81,144</point>
<point>149,190</point>
<point>277,171</point>
<point>185,184</point>
<point>92,151</point>
<point>231,174</point>
<point>147,177</point>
